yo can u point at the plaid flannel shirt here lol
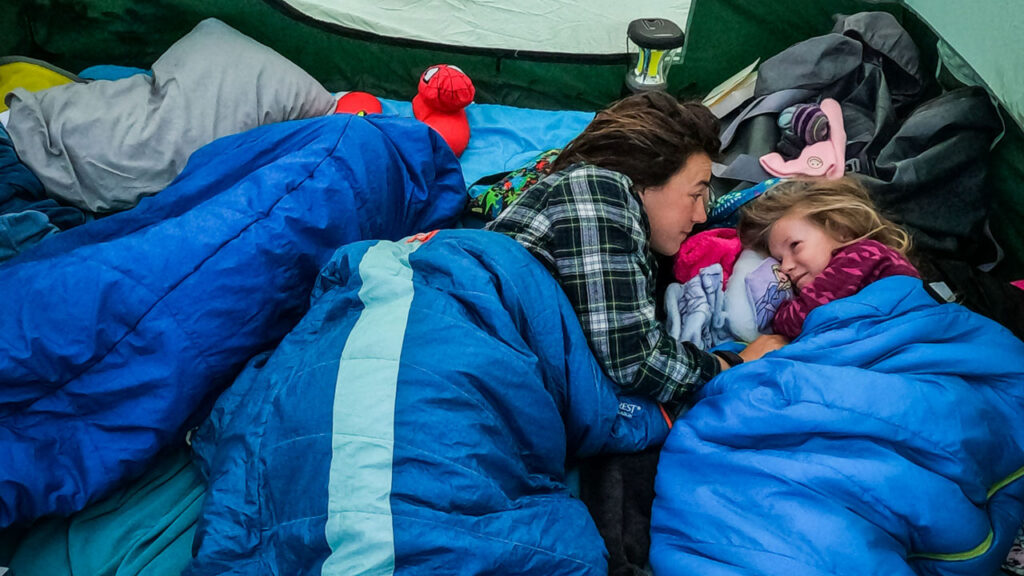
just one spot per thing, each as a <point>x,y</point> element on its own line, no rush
<point>586,226</point>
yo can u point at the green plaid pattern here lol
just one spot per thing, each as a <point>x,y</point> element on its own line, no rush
<point>586,226</point>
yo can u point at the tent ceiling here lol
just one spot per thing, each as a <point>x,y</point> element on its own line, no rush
<point>593,27</point>
<point>987,36</point>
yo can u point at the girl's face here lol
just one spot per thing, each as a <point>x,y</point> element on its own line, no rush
<point>803,248</point>
<point>674,208</point>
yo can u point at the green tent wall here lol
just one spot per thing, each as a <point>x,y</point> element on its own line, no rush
<point>723,36</point>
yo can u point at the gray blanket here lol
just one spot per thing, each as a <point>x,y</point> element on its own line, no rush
<point>102,146</point>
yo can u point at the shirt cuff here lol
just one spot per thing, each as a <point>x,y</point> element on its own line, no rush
<point>709,367</point>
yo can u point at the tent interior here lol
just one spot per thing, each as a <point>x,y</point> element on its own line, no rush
<point>540,71</point>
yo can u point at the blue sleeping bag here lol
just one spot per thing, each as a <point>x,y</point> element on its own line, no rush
<point>417,421</point>
<point>114,333</point>
<point>887,439</point>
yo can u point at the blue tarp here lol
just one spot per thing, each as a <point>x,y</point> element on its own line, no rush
<point>886,439</point>
<point>418,420</point>
<point>116,332</point>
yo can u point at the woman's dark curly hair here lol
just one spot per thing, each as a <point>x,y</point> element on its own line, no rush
<point>647,136</point>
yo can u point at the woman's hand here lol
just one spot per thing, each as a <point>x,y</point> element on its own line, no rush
<point>762,345</point>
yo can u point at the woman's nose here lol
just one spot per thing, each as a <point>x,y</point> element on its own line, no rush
<point>700,215</point>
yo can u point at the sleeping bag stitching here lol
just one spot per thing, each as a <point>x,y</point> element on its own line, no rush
<point>514,543</point>
<point>198,267</point>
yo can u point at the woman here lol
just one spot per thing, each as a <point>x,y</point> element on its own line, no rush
<point>635,181</point>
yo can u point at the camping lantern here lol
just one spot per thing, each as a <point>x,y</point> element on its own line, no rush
<point>653,45</point>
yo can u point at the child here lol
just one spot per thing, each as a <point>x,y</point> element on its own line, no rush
<point>830,239</point>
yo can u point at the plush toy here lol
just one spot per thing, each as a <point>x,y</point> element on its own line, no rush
<point>825,158</point>
<point>358,103</point>
<point>715,246</point>
<point>444,92</point>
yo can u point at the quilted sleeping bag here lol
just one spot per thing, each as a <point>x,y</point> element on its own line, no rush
<point>886,439</point>
<point>417,421</point>
<point>114,333</point>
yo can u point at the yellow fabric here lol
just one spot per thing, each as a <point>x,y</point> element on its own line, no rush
<point>31,77</point>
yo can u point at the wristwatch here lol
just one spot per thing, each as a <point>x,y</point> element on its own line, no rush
<point>731,358</point>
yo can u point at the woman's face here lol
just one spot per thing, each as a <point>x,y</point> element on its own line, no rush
<point>673,208</point>
<point>803,247</point>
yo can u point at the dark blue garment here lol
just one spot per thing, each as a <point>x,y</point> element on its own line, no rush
<point>886,439</point>
<point>22,230</point>
<point>417,421</point>
<point>115,333</point>
<point>26,214</point>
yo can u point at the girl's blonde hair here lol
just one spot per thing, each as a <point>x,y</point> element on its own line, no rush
<point>841,207</point>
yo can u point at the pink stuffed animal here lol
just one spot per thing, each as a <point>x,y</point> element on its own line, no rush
<point>715,246</point>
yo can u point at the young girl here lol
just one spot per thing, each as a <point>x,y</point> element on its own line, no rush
<point>830,239</point>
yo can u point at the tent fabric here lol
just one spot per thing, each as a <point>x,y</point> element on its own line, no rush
<point>125,32</point>
<point>118,330</point>
<point>875,443</point>
<point>986,36</point>
<point>549,26</point>
<point>389,67</point>
<point>1006,204</point>
<point>417,421</point>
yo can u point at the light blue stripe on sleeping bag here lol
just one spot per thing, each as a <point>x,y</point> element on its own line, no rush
<point>359,529</point>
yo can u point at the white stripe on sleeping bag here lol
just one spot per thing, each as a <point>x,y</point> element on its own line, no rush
<point>359,529</point>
